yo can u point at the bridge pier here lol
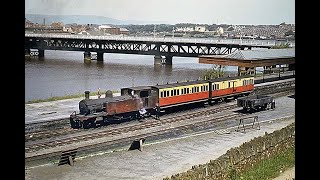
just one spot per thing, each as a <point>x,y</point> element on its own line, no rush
<point>87,56</point>
<point>291,67</point>
<point>99,56</point>
<point>157,60</point>
<point>27,53</point>
<point>41,53</point>
<point>168,60</point>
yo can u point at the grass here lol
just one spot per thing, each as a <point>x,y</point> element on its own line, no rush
<point>281,46</point>
<point>270,168</point>
<point>55,98</point>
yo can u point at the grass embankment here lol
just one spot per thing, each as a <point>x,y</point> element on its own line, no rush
<point>55,98</point>
<point>270,168</point>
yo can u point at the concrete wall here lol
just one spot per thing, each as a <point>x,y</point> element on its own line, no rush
<point>241,158</point>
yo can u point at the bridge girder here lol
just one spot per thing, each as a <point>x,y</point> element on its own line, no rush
<point>132,47</point>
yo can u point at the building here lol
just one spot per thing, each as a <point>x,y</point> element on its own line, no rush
<point>106,29</point>
<point>219,31</point>
<point>184,29</point>
<point>124,31</point>
<point>200,28</point>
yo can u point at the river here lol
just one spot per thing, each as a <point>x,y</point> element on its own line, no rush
<point>65,73</point>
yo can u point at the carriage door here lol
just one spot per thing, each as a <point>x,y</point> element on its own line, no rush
<point>234,86</point>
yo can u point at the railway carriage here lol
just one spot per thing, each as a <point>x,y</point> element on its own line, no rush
<point>231,87</point>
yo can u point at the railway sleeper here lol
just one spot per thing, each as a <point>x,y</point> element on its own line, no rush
<point>67,157</point>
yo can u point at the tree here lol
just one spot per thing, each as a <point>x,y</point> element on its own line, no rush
<point>215,72</point>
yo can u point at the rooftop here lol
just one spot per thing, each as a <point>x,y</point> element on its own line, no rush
<point>252,58</point>
<point>258,54</point>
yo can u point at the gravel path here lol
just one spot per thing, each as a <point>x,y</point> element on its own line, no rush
<point>289,174</point>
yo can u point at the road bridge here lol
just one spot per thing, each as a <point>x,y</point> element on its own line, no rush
<point>167,47</point>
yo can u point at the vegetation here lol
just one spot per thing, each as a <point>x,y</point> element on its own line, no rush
<point>168,27</point>
<point>281,46</point>
<point>55,98</point>
<point>269,168</point>
<point>215,72</point>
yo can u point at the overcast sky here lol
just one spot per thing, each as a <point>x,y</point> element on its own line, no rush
<point>173,11</point>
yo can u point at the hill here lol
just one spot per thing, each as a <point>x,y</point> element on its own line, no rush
<point>79,19</point>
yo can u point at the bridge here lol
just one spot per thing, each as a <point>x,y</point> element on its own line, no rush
<point>159,47</point>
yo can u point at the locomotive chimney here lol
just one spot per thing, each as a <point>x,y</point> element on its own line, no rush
<point>86,94</point>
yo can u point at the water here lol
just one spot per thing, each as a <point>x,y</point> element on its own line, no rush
<point>65,73</point>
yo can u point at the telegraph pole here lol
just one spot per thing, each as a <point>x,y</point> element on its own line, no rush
<point>173,32</point>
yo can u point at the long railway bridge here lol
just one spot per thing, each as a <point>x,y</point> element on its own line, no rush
<point>167,47</point>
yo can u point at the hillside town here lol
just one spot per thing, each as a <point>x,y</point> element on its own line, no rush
<point>282,31</point>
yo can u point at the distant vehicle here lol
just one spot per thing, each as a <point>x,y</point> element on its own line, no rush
<point>256,103</point>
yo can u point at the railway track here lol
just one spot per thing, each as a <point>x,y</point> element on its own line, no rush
<point>35,146</point>
<point>155,135</point>
<point>31,147</point>
<point>62,127</point>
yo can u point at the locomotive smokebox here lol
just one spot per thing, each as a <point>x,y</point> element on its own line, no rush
<point>86,94</point>
<point>109,93</point>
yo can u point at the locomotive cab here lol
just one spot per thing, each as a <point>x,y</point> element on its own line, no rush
<point>147,94</point>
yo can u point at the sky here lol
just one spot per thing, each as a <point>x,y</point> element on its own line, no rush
<point>250,12</point>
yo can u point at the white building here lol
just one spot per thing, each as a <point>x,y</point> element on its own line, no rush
<point>67,29</point>
<point>200,28</point>
<point>104,27</point>
<point>220,30</point>
<point>184,29</point>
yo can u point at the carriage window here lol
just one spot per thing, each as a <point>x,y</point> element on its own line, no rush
<point>213,86</point>
<point>229,84</point>
<point>188,91</point>
<point>201,89</point>
<point>161,94</point>
<point>174,92</point>
<point>178,90</point>
<point>168,93</point>
<point>198,89</point>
